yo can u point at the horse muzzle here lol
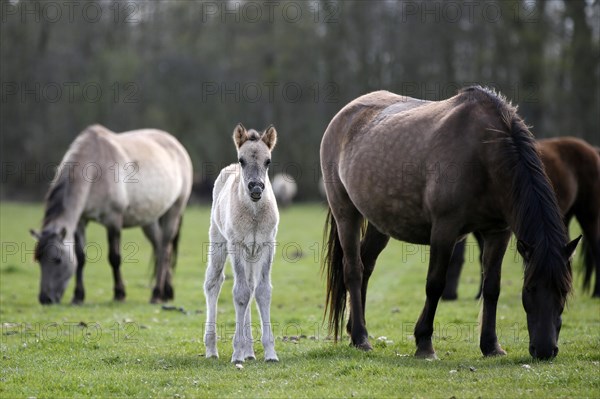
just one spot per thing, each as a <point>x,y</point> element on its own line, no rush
<point>256,190</point>
<point>546,353</point>
<point>46,299</point>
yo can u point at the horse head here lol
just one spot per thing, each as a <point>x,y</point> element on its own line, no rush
<point>56,256</point>
<point>544,296</point>
<point>254,156</point>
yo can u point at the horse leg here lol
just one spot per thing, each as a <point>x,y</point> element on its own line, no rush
<point>169,225</point>
<point>213,282</point>
<point>372,244</point>
<point>263,301</point>
<point>494,247</point>
<point>590,226</point>
<point>242,294</point>
<point>443,240</point>
<point>114,257</point>
<point>349,223</point>
<point>479,238</point>
<point>454,269</point>
<point>79,294</point>
<point>154,235</point>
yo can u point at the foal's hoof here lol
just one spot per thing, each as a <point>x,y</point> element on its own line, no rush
<point>272,360</point>
<point>76,302</point>
<point>155,300</point>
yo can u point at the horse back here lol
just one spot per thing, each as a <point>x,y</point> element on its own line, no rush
<point>404,163</point>
<point>142,174</point>
<point>573,167</point>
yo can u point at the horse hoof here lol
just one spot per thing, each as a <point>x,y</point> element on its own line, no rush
<point>426,354</point>
<point>364,346</point>
<point>77,302</point>
<point>155,300</point>
<point>498,351</point>
<point>215,356</point>
<point>168,294</point>
<point>272,360</point>
<point>251,357</point>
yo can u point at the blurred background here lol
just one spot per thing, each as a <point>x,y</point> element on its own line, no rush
<point>196,68</point>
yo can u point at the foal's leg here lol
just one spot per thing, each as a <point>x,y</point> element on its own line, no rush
<point>114,257</point>
<point>443,239</point>
<point>242,293</point>
<point>494,247</point>
<point>371,246</point>
<point>79,294</point>
<point>217,254</point>
<point>263,300</point>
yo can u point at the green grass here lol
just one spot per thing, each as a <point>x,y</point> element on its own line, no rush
<point>107,349</point>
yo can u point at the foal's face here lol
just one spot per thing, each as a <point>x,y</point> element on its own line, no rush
<point>254,157</point>
<point>57,262</point>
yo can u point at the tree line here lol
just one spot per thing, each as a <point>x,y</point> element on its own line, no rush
<point>197,68</point>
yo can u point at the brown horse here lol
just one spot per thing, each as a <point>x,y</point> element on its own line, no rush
<point>573,167</point>
<point>430,173</point>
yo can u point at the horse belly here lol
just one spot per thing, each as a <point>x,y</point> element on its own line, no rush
<point>150,197</point>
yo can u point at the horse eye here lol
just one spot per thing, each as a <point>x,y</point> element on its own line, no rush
<point>242,162</point>
<point>267,163</point>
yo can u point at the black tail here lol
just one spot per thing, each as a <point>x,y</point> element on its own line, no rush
<point>335,303</point>
<point>587,263</point>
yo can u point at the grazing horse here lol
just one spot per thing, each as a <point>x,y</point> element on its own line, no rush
<point>243,225</point>
<point>573,167</point>
<point>430,172</point>
<point>285,189</point>
<point>138,178</point>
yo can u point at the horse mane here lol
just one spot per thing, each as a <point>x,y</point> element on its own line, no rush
<point>60,186</point>
<point>253,135</point>
<point>536,217</point>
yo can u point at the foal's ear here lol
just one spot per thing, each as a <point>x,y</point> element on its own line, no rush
<point>35,234</point>
<point>524,249</point>
<point>239,135</point>
<point>570,247</point>
<point>270,137</point>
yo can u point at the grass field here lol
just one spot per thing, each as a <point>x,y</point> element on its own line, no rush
<point>107,349</point>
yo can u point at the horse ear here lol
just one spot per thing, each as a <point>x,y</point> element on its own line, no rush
<point>524,249</point>
<point>62,234</point>
<point>239,135</point>
<point>570,247</point>
<point>35,234</point>
<point>270,137</point>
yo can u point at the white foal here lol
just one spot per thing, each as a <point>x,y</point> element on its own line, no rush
<point>243,225</point>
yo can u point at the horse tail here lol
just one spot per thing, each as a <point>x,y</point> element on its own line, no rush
<point>333,267</point>
<point>587,263</point>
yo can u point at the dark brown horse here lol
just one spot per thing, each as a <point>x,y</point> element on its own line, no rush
<point>430,173</point>
<point>573,167</point>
